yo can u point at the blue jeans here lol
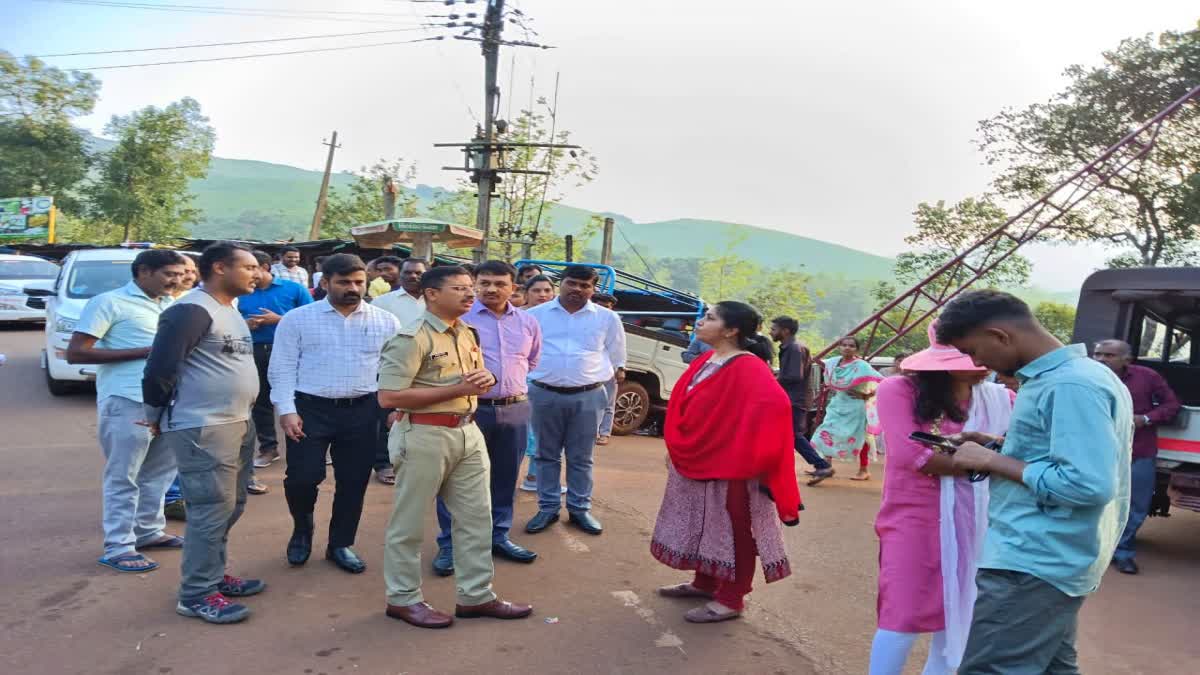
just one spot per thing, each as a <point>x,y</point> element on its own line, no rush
<point>174,494</point>
<point>806,450</point>
<point>1141,491</point>
<point>565,424</point>
<point>610,410</point>
<point>506,433</point>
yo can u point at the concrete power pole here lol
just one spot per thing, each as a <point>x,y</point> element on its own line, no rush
<point>314,232</point>
<point>606,245</point>
<point>493,24</point>
<point>389,198</point>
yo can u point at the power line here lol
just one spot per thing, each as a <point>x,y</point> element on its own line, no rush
<point>256,56</point>
<point>265,13</point>
<point>147,5</point>
<point>442,54</point>
<point>637,253</point>
<point>229,44</point>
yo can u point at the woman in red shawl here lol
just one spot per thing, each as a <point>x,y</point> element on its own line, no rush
<point>731,475</point>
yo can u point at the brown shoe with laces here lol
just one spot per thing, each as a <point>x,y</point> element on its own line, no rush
<point>496,609</point>
<point>421,615</point>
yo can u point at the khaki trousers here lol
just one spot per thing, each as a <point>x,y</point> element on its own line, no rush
<point>451,463</point>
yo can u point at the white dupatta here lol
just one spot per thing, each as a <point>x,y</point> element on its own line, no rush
<point>963,521</point>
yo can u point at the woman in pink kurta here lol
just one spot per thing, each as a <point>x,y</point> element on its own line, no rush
<point>930,518</point>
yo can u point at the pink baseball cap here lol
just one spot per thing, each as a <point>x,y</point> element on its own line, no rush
<point>940,357</point>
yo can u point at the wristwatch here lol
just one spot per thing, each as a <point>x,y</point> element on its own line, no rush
<point>1146,419</point>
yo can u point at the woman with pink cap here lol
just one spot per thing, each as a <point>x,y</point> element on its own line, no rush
<point>932,520</point>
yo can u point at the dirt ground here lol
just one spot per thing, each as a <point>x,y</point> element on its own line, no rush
<point>595,606</point>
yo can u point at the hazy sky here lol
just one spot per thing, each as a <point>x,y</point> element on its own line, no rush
<point>827,121</point>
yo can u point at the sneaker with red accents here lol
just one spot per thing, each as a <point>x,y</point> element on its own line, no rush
<point>237,587</point>
<point>214,608</point>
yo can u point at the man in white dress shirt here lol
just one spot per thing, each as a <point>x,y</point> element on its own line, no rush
<point>583,347</point>
<point>408,304</point>
<point>323,381</point>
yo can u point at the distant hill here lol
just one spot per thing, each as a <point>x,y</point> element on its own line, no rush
<point>249,199</point>
<point>261,200</point>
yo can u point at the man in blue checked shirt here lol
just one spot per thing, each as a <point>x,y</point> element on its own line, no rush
<point>1059,489</point>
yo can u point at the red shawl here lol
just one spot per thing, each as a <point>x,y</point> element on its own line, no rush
<point>735,425</point>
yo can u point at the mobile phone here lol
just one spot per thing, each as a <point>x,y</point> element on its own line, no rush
<point>934,441</point>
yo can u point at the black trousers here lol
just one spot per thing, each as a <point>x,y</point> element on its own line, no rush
<point>263,412</point>
<point>349,432</point>
<point>382,459</point>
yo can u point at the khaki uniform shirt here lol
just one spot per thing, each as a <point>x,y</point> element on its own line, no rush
<point>431,353</point>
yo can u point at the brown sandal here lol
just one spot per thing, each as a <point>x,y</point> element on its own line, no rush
<point>706,614</point>
<point>683,591</point>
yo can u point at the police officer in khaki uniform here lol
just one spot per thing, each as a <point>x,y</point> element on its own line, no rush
<point>431,373</point>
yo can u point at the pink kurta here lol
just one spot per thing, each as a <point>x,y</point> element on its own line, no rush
<point>910,567</point>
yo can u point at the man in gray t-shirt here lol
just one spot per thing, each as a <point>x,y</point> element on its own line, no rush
<point>199,384</point>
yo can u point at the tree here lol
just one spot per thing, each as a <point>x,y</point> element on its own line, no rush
<point>1149,216</point>
<point>944,233</point>
<point>143,181</point>
<point>1057,318</point>
<point>363,200</point>
<point>42,153</point>
<point>785,293</point>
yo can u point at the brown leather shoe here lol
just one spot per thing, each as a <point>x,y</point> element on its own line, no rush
<point>496,609</point>
<point>421,615</point>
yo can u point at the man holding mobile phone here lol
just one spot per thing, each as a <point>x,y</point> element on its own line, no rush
<point>1059,493</point>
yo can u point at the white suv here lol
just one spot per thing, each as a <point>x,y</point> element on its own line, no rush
<point>15,272</point>
<point>83,275</point>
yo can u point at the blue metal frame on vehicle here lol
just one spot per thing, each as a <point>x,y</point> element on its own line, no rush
<point>611,279</point>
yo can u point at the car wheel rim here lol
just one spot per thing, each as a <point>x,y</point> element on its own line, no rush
<point>629,408</point>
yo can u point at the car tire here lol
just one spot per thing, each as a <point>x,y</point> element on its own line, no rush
<point>632,409</point>
<point>59,387</point>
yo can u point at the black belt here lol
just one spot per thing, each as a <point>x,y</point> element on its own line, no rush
<point>335,402</point>
<point>508,400</point>
<point>570,390</point>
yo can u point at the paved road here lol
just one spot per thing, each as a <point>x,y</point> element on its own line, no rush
<point>61,613</point>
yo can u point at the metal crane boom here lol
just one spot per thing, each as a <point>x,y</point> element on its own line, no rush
<point>929,295</point>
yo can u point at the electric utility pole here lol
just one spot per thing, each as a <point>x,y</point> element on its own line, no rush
<point>314,232</point>
<point>483,156</point>
<point>493,26</point>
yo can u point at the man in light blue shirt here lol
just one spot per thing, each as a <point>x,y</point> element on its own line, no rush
<point>1059,490</point>
<point>115,332</point>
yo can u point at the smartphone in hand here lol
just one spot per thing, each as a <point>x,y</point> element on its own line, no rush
<point>939,443</point>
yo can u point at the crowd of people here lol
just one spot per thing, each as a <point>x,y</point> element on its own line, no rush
<point>1017,469</point>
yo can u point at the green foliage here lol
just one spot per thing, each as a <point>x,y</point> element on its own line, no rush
<point>43,154</point>
<point>1149,216</point>
<point>1057,318</point>
<point>143,181</point>
<point>945,232</point>
<point>362,201</point>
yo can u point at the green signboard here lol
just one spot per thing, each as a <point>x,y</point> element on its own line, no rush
<point>26,217</point>
<point>404,226</point>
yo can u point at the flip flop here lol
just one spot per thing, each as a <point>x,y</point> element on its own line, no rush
<point>169,541</point>
<point>705,614</point>
<point>116,563</point>
<point>683,591</point>
<point>861,478</point>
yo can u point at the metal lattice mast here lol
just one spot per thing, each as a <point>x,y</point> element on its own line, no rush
<point>930,294</point>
